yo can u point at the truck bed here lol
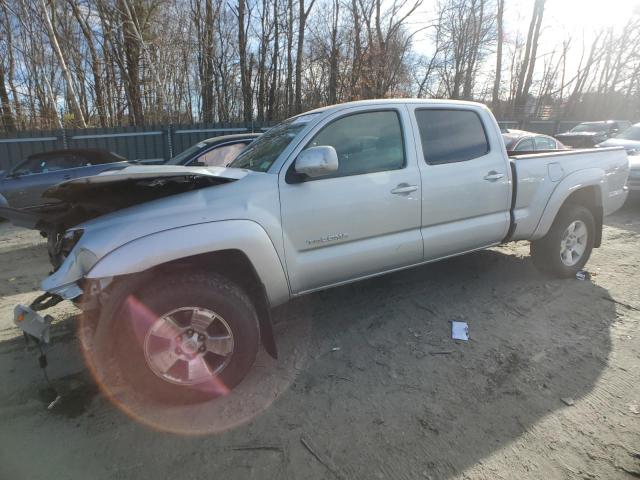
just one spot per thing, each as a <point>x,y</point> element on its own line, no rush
<point>536,176</point>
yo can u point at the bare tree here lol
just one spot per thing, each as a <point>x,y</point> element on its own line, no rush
<point>525,76</point>
<point>495,97</point>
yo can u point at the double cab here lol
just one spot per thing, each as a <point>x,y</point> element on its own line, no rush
<point>179,279</point>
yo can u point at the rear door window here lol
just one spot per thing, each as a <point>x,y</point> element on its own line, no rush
<point>450,136</point>
<point>221,156</point>
<point>525,145</point>
<point>28,167</point>
<point>545,143</point>
<point>61,162</point>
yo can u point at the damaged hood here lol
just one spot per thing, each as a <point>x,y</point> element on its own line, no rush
<point>85,198</point>
<point>141,175</point>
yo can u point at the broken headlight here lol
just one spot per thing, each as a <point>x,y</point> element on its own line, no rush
<point>64,245</point>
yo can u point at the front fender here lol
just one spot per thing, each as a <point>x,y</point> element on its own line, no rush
<point>590,177</point>
<point>155,249</point>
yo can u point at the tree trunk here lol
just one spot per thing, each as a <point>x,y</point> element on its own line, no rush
<point>271,104</point>
<point>95,63</point>
<point>334,55</point>
<point>300,52</point>
<point>63,66</point>
<point>7,116</point>
<point>245,73</point>
<point>528,63</point>
<point>495,97</point>
<point>131,70</point>
<point>289,82</point>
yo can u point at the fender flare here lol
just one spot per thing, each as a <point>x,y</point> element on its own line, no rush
<point>152,250</point>
<point>161,247</point>
<point>590,177</point>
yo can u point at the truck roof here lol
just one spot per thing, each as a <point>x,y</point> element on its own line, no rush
<point>384,101</point>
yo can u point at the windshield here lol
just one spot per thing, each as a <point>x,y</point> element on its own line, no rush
<point>631,133</point>
<point>184,156</point>
<point>590,127</point>
<point>261,154</point>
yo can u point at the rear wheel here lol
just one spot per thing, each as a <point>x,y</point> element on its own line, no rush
<point>186,338</point>
<point>567,246</point>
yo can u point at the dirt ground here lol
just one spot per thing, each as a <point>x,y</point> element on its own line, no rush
<point>368,384</point>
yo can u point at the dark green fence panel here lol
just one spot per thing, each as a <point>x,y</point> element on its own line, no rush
<point>134,143</point>
<point>153,142</point>
<point>17,147</point>
<point>161,142</point>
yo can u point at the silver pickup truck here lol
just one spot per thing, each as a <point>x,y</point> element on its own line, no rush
<point>179,267</point>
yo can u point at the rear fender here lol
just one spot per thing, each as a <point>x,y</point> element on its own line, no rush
<point>570,185</point>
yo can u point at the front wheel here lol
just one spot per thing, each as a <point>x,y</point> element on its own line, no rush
<point>189,337</point>
<point>566,248</point>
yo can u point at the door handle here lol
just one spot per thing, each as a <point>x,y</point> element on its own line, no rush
<point>492,176</point>
<point>404,188</point>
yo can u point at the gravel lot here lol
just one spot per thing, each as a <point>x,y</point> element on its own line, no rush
<point>369,383</point>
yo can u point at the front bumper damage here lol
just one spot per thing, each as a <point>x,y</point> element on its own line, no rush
<point>36,326</point>
<point>32,324</point>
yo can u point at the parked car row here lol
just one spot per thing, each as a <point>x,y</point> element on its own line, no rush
<point>24,185</point>
<point>521,141</point>
<point>589,134</point>
<point>609,133</point>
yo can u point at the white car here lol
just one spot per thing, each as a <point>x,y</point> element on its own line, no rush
<point>630,140</point>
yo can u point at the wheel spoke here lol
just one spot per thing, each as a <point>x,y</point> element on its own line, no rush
<point>220,344</point>
<point>168,329</point>
<point>164,360</point>
<point>198,369</point>
<point>199,320</point>
<point>571,228</point>
<point>580,231</point>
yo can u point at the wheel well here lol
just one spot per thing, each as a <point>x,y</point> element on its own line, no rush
<point>236,266</point>
<point>591,198</point>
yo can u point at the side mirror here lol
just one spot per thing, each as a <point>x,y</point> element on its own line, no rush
<point>317,161</point>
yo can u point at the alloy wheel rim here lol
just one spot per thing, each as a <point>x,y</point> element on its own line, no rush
<point>573,243</point>
<point>188,346</point>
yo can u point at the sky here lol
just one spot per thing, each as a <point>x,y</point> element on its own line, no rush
<point>578,19</point>
<point>561,19</point>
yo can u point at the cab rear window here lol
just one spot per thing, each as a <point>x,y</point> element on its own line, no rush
<point>450,136</point>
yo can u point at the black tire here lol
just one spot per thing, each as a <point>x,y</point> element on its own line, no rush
<point>546,251</point>
<point>138,313</point>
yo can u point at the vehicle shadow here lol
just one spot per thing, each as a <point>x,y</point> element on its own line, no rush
<point>368,381</point>
<point>388,378</point>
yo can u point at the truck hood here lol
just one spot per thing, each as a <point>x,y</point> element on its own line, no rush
<point>86,198</point>
<point>139,176</point>
<point>579,134</point>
